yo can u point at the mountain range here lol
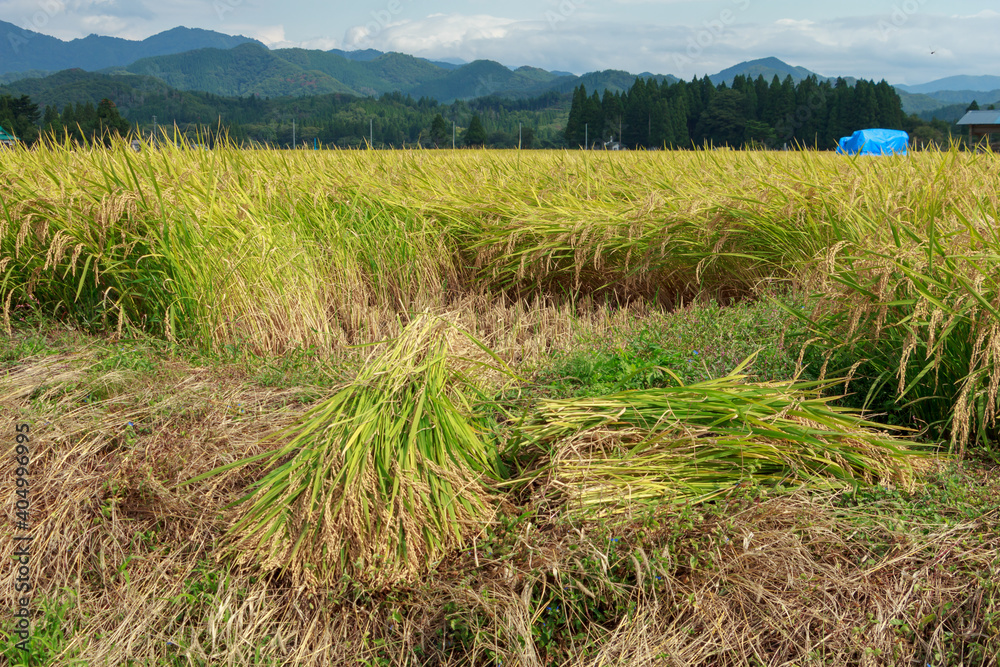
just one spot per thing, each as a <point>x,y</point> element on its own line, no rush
<point>28,51</point>
<point>213,62</point>
<point>961,82</point>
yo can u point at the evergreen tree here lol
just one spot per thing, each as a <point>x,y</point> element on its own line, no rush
<point>612,110</point>
<point>439,131</point>
<point>865,106</point>
<point>839,122</point>
<point>809,120</point>
<point>682,136</point>
<point>890,107</point>
<point>51,125</point>
<point>109,121</point>
<point>577,109</point>
<point>527,138</point>
<point>638,115</point>
<point>19,116</point>
<point>593,119</point>
<point>475,134</point>
<point>85,116</point>
<point>724,121</point>
<point>664,129</point>
<point>761,91</point>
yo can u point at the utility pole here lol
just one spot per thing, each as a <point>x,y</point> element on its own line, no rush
<point>518,135</point>
<point>586,136</point>
<point>371,134</point>
<point>293,133</point>
<point>154,128</point>
<point>452,135</point>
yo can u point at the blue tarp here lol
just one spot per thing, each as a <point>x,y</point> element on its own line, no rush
<point>875,142</point>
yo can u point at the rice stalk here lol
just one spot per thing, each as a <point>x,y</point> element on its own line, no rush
<point>920,328</point>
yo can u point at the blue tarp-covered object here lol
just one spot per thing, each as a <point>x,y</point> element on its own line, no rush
<point>875,142</point>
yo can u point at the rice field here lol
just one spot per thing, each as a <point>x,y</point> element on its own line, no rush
<point>405,488</point>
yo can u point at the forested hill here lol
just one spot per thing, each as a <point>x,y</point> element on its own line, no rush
<point>251,69</point>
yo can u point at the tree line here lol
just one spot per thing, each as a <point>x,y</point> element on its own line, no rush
<point>749,112</point>
<point>81,122</point>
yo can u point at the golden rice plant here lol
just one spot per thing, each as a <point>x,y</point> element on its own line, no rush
<point>378,481</point>
<point>917,325</point>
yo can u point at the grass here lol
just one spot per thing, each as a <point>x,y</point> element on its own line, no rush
<point>218,316</point>
<point>699,341</point>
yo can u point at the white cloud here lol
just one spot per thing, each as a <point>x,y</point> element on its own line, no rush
<point>984,14</point>
<point>439,34</point>
<point>272,35</point>
<point>794,23</point>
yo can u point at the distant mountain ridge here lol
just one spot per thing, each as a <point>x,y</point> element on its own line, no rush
<point>960,83</point>
<point>252,69</point>
<point>76,86</point>
<point>192,59</point>
<point>25,50</point>
<point>942,103</point>
<point>766,67</point>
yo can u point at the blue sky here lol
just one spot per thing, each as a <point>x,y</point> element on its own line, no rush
<point>904,41</point>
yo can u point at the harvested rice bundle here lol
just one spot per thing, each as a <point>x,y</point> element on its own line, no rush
<point>379,480</point>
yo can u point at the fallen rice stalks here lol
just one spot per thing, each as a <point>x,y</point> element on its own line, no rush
<point>698,441</point>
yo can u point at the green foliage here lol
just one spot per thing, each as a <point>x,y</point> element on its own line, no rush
<point>920,338</point>
<point>338,119</point>
<point>749,112</point>
<point>439,131</point>
<point>109,121</point>
<point>51,630</point>
<point>19,117</point>
<point>694,343</point>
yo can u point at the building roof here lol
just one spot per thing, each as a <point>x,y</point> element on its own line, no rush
<point>6,137</point>
<point>980,118</point>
